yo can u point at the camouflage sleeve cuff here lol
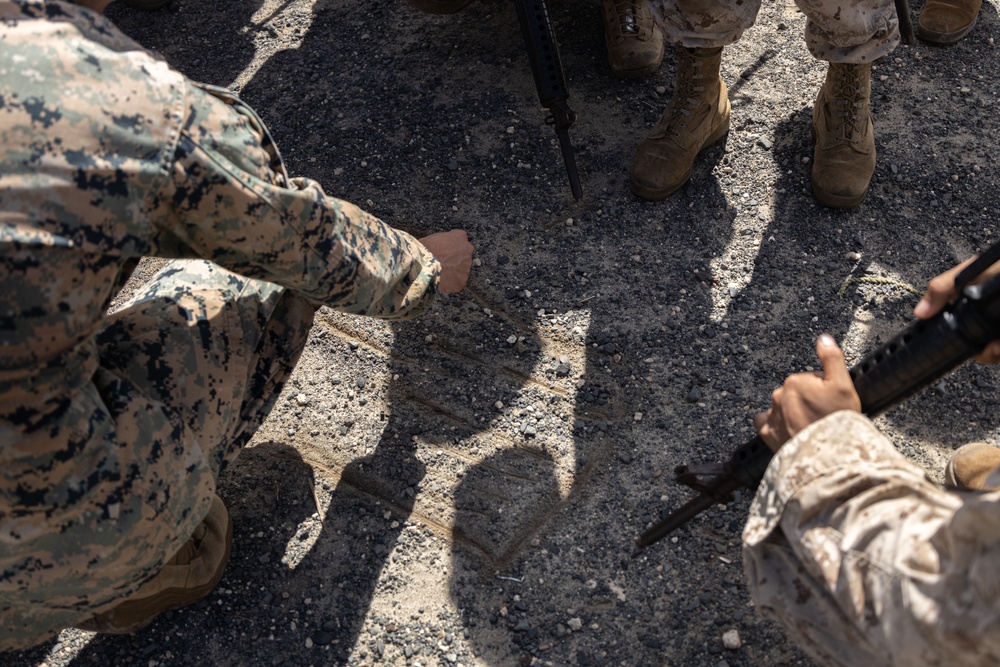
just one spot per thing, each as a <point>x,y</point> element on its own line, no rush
<point>820,463</point>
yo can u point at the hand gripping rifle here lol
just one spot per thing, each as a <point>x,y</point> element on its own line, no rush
<point>549,79</point>
<point>921,354</point>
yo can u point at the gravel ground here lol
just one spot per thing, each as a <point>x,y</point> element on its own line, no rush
<point>464,489</point>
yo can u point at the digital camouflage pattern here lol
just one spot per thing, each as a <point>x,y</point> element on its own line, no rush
<point>855,31</point>
<point>865,561</point>
<point>113,428</point>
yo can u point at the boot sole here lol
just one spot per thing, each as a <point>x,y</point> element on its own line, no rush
<point>636,73</point>
<point>836,201</point>
<point>945,38</point>
<point>658,194</point>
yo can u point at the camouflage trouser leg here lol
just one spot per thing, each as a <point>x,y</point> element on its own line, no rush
<point>855,31</point>
<point>707,23</point>
<point>211,345</point>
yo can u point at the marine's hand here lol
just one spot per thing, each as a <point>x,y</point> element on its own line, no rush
<point>454,252</point>
<point>808,397</point>
<point>941,291</point>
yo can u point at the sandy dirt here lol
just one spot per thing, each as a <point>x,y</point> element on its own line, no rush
<point>464,489</point>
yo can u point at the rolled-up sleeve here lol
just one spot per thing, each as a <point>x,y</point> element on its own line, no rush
<point>228,199</point>
<point>864,560</point>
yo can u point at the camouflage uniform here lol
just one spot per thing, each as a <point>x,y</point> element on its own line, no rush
<point>114,427</point>
<point>865,561</point>
<point>856,31</point>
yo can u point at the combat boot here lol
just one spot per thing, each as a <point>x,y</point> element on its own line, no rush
<point>947,21</point>
<point>844,158</point>
<point>971,466</point>
<point>191,574</point>
<point>635,42</point>
<point>696,116</point>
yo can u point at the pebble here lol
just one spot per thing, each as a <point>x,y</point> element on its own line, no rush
<point>302,399</point>
<point>575,624</point>
<point>731,640</point>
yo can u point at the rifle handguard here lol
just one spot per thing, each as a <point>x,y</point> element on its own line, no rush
<point>546,67</point>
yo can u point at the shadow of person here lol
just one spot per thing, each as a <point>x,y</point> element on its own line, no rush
<point>186,33</point>
<point>499,505</point>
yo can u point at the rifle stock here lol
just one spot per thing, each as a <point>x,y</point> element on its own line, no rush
<point>918,356</point>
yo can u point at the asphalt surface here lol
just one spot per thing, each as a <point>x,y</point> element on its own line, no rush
<point>464,489</point>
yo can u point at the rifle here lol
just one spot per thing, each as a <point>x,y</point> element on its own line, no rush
<point>918,356</point>
<point>549,79</point>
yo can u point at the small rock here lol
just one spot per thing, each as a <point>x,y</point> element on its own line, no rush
<point>575,624</point>
<point>302,399</point>
<point>731,640</point>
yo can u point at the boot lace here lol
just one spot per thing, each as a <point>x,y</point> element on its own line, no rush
<point>686,96</point>
<point>631,22</point>
<point>849,103</point>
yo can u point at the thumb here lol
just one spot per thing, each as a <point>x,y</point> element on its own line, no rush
<point>832,359</point>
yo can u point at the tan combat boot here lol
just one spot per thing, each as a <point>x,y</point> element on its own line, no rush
<point>635,42</point>
<point>844,159</point>
<point>696,116</point>
<point>947,21</point>
<point>192,573</point>
<point>971,466</point>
